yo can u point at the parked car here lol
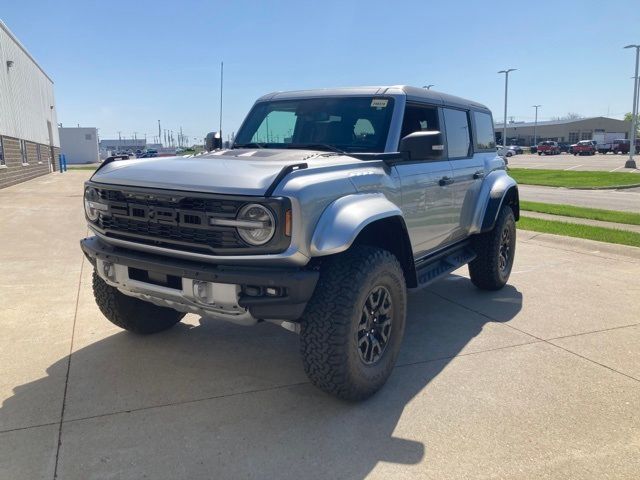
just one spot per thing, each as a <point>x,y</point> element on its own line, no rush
<point>548,148</point>
<point>505,151</point>
<point>321,231</point>
<point>564,147</point>
<point>516,148</point>
<point>533,149</point>
<point>584,147</point>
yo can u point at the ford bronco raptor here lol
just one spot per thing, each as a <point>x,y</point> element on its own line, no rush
<point>329,206</point>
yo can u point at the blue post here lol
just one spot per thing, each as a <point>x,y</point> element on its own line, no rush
<point>63,163</point>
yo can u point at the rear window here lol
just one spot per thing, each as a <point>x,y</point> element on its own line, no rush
<point>485,139</point>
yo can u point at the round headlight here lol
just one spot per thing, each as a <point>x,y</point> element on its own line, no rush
<point>90,199</point>
<point>260,224</point>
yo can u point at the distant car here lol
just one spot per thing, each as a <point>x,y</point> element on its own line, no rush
<point>564,147</point>
<point>584,147</point>
<point>533,148</point>
<point>516,148</point>
<point>505,151</point>
<point>621,145</point>
<point>116,157</point>
<point>548,148</point>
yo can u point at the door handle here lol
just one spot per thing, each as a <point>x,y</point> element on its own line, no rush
<point>444,181</point>
<point>478,174</point>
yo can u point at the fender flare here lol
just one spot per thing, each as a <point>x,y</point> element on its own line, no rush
<point>499,187</point>
<point>342,221</point>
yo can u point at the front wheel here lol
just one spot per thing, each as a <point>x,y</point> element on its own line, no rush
<point>353,326</point>
<point>130,313</point>
<point>495,252</point>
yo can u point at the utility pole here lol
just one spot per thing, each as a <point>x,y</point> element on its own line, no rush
<point>180,139</point>
<point>535,126</point>
<point>506,90</point>
<point>119,141</point>
<point>631,163</point>
<point>221,87</point>
<point>159,133</point>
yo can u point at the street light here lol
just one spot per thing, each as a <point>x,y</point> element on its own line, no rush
<point>535,125</point>
<point>428,87</point>
<point>506,89</point>
<point>630,163</point>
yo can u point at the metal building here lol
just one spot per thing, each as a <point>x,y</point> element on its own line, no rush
<point>79,145</point>
<point>571,131</point>
<point>29,142</point>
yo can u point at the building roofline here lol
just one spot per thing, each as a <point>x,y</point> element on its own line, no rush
<point>4,27</point>
<point>551,122</point>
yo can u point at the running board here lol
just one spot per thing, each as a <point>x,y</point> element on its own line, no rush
<point>435,267</point>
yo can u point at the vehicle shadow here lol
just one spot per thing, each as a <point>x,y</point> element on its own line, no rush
<point>235,403</point>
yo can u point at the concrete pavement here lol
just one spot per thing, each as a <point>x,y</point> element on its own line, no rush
<point>538,380</point>
<point>626,200</point>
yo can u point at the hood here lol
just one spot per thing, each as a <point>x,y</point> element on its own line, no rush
<point>234,172</point>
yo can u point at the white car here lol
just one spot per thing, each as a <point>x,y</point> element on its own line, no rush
<point>505,151</point>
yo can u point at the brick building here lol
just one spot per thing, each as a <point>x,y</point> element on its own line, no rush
<point>29,142</point>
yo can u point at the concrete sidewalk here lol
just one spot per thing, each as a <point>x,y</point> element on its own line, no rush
<point>538,380</point>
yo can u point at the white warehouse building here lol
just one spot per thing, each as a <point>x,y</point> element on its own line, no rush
<point>79,145</point>
<point>29,142</point>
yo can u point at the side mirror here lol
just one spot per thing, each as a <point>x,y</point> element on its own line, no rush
<point>423,145</point>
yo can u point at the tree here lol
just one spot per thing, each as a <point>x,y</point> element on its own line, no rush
<point>569,116</point>
<point>628,117</point>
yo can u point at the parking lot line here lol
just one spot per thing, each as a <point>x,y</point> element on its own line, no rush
<point>575,166</point>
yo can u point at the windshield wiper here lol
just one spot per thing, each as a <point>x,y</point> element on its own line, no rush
<point>250,145</point>
<point>317,146</point>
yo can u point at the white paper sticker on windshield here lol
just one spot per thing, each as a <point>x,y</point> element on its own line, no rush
<point>379,102</point>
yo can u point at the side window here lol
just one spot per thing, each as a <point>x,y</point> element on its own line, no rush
<point>485,139</point>
<point>419,118</point>
<point>458,133</point>
<point>23,153</point>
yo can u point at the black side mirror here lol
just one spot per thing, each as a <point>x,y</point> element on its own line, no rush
<point>423,145</point>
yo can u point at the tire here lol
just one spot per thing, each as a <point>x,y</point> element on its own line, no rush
<point>490,270</point>
<point>539,153</point>
<point>130,313</point>
<point>333,325</point>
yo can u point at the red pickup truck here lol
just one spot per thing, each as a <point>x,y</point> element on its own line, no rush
<point>584,147</point>
<point>548,148</point>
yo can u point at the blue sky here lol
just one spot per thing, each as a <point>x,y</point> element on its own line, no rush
<point>568,54</point>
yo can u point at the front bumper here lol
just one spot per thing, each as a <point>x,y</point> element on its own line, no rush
<point>223,290</point>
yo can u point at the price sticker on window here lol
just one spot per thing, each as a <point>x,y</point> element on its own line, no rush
<point>379,102</point>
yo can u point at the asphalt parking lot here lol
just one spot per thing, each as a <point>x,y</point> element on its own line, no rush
<point>565,161</point>
<point>540,380</point>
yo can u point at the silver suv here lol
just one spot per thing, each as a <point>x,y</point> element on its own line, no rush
<point>327,208</point>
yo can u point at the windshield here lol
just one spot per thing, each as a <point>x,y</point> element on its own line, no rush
<point>350,124</point>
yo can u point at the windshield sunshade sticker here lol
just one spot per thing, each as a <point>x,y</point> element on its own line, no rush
<point>379,102</point>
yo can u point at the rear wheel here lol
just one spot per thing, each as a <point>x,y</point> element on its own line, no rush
<point>130,313</point>
<point>353,326</point>
<point>495,252</point>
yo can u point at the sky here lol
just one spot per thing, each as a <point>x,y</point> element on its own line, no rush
<point>122,65</point>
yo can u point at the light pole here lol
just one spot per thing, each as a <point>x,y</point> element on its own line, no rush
<point>428,87</point>
<point>631,163</point>
<point>506,89</point>
<point>535,126</point>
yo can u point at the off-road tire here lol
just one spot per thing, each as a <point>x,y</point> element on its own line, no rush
<point>330,324</point>
<point>485,270</point>
<point>130,313</point>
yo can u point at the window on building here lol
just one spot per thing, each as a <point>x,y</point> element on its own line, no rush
<point>585,136</point>
<point>87,136</point>
<point>573,137</point>
<point>3,163</point>
<point>39,152</point>
<point>485,138</point>
<point>458,133</point>
<point>23,152</point>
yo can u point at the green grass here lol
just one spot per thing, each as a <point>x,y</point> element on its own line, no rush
<point>589,232</point>
<point>573,179</point>
<point>581,212</point>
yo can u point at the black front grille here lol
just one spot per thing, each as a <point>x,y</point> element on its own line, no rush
<point>169,220</point>
<point>182,220</point>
